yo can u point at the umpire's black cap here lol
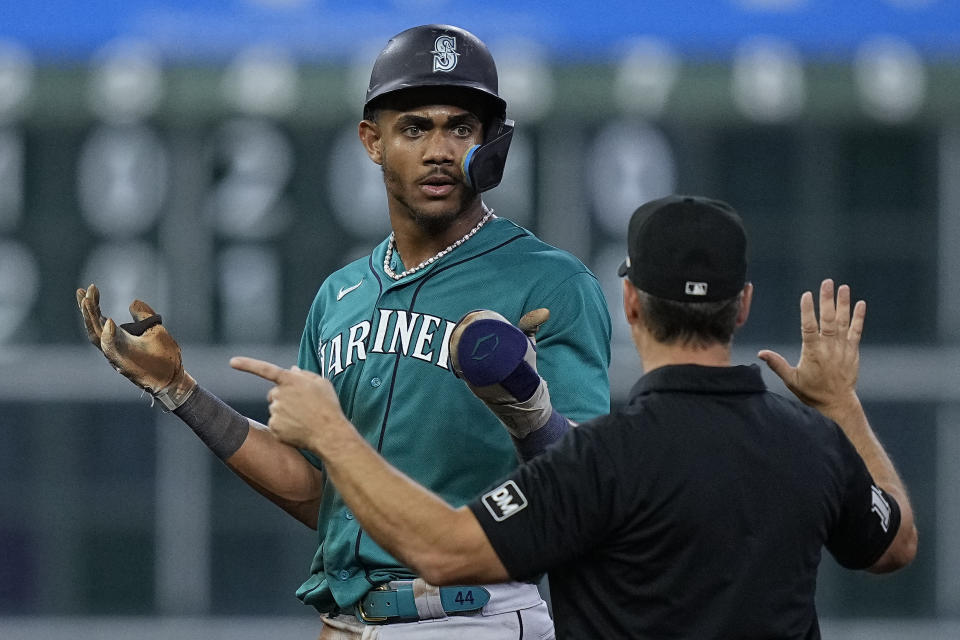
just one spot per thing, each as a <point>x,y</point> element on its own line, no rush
<point>686,248</point>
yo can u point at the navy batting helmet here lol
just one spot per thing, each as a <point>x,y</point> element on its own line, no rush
<point>436,55</point>
<point>442,57</point>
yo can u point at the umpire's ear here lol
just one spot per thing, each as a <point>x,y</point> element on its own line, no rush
<point>746,297</point>
<point>372,140</point>
<point>632,307</point>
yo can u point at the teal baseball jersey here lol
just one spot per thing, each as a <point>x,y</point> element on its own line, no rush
<point>383,344</point>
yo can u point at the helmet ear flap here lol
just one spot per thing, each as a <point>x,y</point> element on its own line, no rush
<point>483,164</point>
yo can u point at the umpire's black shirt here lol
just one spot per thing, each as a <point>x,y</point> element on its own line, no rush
<point>699,511</point>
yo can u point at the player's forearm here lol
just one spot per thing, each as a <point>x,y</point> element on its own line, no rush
<point>248,447</point>
<point>280,473</point>
<point>850,416</point>
<point>275,470</point>
<point>441,544</point>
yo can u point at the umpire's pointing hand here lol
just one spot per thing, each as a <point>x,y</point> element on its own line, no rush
<point>304,407</point>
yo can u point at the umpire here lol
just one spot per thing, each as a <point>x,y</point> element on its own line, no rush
<point>701,509</point>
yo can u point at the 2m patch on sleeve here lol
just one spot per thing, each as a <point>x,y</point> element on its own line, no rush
<point>504,501</point>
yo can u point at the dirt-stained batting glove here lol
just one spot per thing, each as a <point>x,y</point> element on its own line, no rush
<point>142,350</point>
<point>498,361</point>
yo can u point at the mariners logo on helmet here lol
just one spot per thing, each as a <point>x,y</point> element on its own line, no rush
<point>445,54</point>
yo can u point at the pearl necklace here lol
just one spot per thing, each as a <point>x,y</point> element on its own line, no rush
<point>391,243</point>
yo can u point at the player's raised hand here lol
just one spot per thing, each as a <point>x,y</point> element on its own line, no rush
<point>498,361</point>
<point>826,375</point>
<point>485,347</point>
<point>304,407</point>
<point>142,351</point>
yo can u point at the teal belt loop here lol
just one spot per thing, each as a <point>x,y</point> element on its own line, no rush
<point>406,604</point>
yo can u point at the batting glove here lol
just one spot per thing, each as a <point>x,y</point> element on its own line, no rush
<point>498,361</point>
<point>142,350</point>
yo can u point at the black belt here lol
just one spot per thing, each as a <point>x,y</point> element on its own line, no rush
<point>384,604</point>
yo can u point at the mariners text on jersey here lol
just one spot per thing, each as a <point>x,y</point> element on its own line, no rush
<point>410,334</point>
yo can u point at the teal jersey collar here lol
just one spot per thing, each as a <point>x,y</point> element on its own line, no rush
<point>496,231</point>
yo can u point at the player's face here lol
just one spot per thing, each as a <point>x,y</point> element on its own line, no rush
<point>421,153</point>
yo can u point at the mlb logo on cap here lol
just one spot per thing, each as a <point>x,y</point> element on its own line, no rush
<point>696,288</point>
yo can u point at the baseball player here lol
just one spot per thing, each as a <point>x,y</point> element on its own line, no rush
<point>699,511</point>
<point>379,330</point>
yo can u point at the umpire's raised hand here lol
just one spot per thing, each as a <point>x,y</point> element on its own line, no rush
<point>142,351</point>
<point>825,377</point>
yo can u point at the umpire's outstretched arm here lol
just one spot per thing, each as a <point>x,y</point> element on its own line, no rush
<point>441,544</point>
<point>825,378</point>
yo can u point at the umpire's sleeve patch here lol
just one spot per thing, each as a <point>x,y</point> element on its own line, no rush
<point>504,501</point>
<point>880,506</point>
